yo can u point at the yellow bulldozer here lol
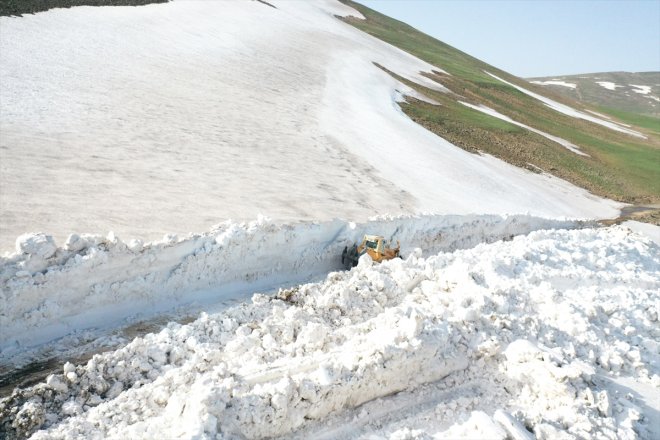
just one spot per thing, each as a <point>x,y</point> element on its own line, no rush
<point>375,245</point>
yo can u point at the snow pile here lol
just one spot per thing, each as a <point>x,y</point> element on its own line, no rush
<point>608,85</point>
<point>563,142</point>
<point>555,83</point>
<point>569,111</point>
<point>495,341</point>
<point>96,281</point>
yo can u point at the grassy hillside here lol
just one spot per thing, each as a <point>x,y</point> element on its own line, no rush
<point>620,166</point>
<point>626,95</point>
<point>19,7</point>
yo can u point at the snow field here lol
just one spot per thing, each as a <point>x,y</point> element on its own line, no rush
<point>279,111</point>
<point>509,337</point>
<point>95,281</point>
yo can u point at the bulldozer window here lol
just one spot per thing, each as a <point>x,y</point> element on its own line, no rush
<point>371,244</point>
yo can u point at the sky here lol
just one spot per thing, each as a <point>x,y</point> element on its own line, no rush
<point>530,38</point>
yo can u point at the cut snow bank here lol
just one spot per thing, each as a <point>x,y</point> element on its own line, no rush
<point>95,281</point>
<point>569,111</point>
<point>510,337</point>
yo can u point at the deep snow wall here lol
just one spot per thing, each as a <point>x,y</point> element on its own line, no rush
<point>94,281</point>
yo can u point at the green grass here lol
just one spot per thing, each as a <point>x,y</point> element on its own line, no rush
<point>20,7</point>
<point>620,166</point>
<point>644,121</point>
<point>436,52</point>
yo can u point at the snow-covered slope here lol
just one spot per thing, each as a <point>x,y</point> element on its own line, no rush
<point>534,334</point>
<point>173,117</point>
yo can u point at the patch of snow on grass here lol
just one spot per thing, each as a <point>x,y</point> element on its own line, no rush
<point>569,111</point>
<point>563,142</point>
<point>642,90</point>
<point>555,83</point>
<point>608,85</point>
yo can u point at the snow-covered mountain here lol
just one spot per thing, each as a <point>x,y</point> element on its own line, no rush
<point>503,319</point>
<point>169,118</point>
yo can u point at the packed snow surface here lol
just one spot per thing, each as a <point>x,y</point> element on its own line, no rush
<point>563,142</point>
<point>172,117</point>
<point>569,111</point>
<point>555,83</point>
<point>535,336</point>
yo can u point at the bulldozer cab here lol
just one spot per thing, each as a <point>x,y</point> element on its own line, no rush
<point>375,245</point>
<point>373,242</point>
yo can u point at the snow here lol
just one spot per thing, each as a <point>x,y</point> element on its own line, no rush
<point>608,85</point>
<point>646,229</point>
<point>171,117</point>
<point>563,142</point>
<point>555,83</point>
<point>569,111</point>
<point>600,115</point>
<point>118,115</point>
<point>531,337</point>
<point>642,90</point>
<point>96,281</point>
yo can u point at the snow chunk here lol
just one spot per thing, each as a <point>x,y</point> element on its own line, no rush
<point>521,351</point>
<point>37,244</point>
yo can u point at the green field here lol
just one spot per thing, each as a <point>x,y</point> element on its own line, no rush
<point>620,166</point>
